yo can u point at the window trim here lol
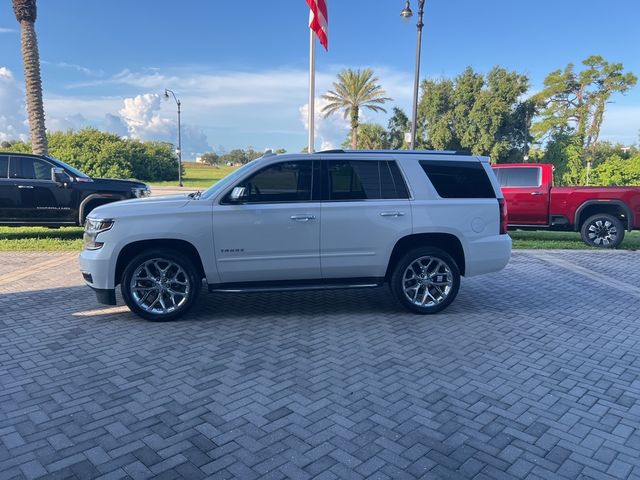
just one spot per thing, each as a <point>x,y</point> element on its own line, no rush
<point>224,198</point>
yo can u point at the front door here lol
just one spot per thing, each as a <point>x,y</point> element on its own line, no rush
<point>274,233</point>
<point>527,200</point>
<point>40,199</point>
<point>365,210</point>
<point>8,193</point>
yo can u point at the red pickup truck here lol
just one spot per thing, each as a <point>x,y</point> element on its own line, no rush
<point>600,214</point>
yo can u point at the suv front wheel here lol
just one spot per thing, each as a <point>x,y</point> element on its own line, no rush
<point>425,280</point>
<point>160,285</point>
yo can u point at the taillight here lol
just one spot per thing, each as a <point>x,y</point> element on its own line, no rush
<point>504,221</point>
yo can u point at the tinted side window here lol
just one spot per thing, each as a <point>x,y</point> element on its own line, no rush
<point>458,179</point>
<point>4,166</point>
<point>392,183</point>
<point>282,182</point>
<point>519,177</point>
<point>353,180</point>
<point>30,168</point>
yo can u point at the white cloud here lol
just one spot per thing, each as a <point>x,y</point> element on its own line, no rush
<point>73,66</point>
<point>144,121</point>
<point>13,119</point>
<point>329,132</point>
<point>7,30</point>
<point>70,122</point>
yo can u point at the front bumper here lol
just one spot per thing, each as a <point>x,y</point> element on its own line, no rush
<point>105,296</point>
<point>96,269</point>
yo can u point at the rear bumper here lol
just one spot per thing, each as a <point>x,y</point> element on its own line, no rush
<point>488,254</point>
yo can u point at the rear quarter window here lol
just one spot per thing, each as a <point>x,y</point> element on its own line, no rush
<point>458,179</point>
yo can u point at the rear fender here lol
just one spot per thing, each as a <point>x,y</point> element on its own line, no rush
<point>618,203</point>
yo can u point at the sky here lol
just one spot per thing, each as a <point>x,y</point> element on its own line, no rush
<point>240,69</point>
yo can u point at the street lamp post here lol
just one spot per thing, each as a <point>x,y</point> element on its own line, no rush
<point>406,14</point>
<point>166,96</point>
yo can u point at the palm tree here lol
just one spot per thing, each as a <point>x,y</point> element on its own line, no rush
<point>355,90</point>
<point>26,12</point>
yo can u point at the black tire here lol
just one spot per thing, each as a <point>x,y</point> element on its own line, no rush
<point>446,272</point>
<point>179,268</point>
<point>602,231</point>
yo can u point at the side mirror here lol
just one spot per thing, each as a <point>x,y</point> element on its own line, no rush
<point>59,175</point>
<point>238,194</point>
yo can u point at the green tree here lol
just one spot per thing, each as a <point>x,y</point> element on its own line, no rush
<point>574,102</point>
<point>237,156</point>
<point>397,127</point>
<point>617,170</point>
<point>210,158</point>
<point>103,154</point>
<point>371,136</point>
<point>563,151</point>
<point>484,115</point>
<point>26,12</point>
<point>353,91</point>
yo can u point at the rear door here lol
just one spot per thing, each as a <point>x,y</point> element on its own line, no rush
<point>365,210</point>
<point>40,199</point>
<point>527,199</point>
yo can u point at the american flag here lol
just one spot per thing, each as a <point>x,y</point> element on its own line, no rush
<point>319,21</point>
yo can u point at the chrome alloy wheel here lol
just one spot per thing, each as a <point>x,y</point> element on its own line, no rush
<point>427,281</point>
<point>602,232</point>
<point>160,286</point>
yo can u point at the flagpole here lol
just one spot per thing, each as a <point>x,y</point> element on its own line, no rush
<point>312,90</point>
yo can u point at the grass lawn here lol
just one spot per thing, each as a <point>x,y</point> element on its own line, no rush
<point>65,239</point>
<point>198,176</point>
<point>565,240</point>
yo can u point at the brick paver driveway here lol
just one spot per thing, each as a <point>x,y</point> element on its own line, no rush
<point>533,372</point>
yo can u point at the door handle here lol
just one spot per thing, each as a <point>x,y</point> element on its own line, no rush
<point>537,193</point>
<point>25,186</point>
<point>392,214</point>
<point>302,218</point>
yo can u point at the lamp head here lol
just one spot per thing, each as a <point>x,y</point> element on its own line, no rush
<point>166,94</point>
<point>406,12</point>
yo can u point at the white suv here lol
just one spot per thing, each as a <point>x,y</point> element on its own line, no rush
<point>417,220</point>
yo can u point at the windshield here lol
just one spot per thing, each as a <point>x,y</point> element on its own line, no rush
<point>75,171</point>
<point>228,180</point>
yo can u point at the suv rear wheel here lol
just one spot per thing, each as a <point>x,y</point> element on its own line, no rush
<point>160,285</point>
<point>425,280</point>
<point>603,231</point>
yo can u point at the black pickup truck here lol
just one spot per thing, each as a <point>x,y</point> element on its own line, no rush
<point>44,191</point>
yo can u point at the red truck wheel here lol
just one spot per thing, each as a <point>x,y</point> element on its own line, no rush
<point>602,231</point>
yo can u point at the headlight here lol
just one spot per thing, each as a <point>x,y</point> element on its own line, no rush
<point>141,192</point>
<point>92,227</point>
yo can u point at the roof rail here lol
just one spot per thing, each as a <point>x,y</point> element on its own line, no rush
<point>403,152</point>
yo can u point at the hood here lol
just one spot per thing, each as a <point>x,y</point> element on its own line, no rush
<point>141,206</point>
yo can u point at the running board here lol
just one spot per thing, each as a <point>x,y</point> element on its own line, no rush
<point>295,285</point>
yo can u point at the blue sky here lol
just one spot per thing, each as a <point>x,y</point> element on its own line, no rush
<point>240,68</point>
